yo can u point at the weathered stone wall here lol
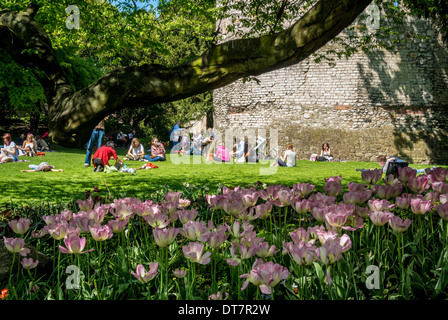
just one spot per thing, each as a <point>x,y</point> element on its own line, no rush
<point>380,102</point>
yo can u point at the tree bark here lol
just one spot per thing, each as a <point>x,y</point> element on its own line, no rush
<point>72,115</point>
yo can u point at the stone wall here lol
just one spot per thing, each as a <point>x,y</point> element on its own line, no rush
<point>380,102</point>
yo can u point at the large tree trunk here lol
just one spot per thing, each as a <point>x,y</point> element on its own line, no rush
<point>72,115</point>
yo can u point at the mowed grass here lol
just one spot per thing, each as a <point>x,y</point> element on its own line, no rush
<point>23,188</point>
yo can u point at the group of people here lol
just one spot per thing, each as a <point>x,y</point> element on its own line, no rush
<point>28,145</point>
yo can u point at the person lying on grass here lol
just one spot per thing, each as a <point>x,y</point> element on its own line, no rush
<point>43,166</point>
<point>102,156</point>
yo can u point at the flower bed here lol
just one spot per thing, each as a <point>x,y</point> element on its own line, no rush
<point>384,239</point>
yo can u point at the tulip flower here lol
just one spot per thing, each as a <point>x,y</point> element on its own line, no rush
<point>380,218</point>
<point>216,239</point>
<point>81,222</point>
<point>121,209</point>
<point>363,212</point>
<point>193,230</point>
<point>442,210</point>
<point>263,210</point>
<point>398,225</point>
<point>380,205</point>
<point>321,200</point>
<point>164,237</point>
<point>194,253</point>
<point>60,231</point>
<point>265,275</point>
<point>16,245</point>
<point>284,197</point>
<point>142,275</point>
<point>303,189</point>
<point>383,191</point>
<point>371,177</point>
<point>74,244</point>
<point>172,196</point>
<point>233,206</point>
<point>440,187</point>
<point>302,206</point>
<point>264,250</point>
<point>117,226</point>
<point>186,215</point>
<point>249,198</point>
<point>180,273</point>
<point>390,180</point>
<point>29,263</point>
<point>85,205</point>
<point>183,203</point>
<point>418,184</point>
<point>158,220</point>
<point>356,197</point>
<point>405,174</point>
<point>20,226</point>
<point>300,235</point>
<point>302,253</point>
<point>3,294</point>
<point>337,179</point>
<point>333,188</point>
<point>319,213</point>
<point>352,186</point>
<point>403,202</point>
<point>218,296</point>
<point>418,206</point>
<point>235,230</point>
<point>100,233</point>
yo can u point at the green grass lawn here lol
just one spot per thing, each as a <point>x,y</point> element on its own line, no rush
<point>56,187</point>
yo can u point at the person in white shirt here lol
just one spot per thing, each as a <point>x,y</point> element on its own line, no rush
<point>136,151</point>
<point>9,152</point>
<point>289,157</point>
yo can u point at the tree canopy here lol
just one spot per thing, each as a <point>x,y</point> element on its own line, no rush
<point>129,54</point>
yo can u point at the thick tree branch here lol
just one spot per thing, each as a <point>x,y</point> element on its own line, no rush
<point>73,115</point>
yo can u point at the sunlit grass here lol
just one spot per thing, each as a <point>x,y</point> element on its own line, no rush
<point>55,187</point>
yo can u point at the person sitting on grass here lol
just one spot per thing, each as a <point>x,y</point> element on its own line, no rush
<point>102,155</point>
<point>384,163</point>
<point>9,152</point>
<point>136,151</point>
<point>43,166</point>
<point>29,146</point>
<point>221,155</point>
<point>157,151</point>
<point>289,157</point>
<point>326,152</point>
<point>41,144</point>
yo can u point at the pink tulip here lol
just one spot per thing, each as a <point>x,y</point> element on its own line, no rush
<point>194,253</point>
<point>431,196</point>
<point>319,213</point>
<point>336,220</point>
<point>216,239</point>
<point>333,188</point>
<point>158,220</point>
<point>418,184</point>
<point>100,233</point>
<point>357,197</point>
<point>28,263</point>
<point>183,203</point>
<point>265,250</point>
<point>244,252</point>
<point>74,244</point>
<point>390,180</point>
<point>117,226</point>
<point>380,218</point>
<point>330,252</point>
<point>442,210</point>
<point>405,174</point>
<point>439,174</point>
<point>362,212</point>
<point>303,189</point>
<point>403,202</point>
<point>164,237</point>
<point>371,177</point>
<point>302,206</point>
<point>98,213</point>
<point>180,273</point>
<point>302,253</point>
<point>380,205</point>
<point>300,235</point>
<point>321,200</point>
<point>265,275</point>
<point>142,275</point>
<point>398,225</point>
<point>269,194</point>
<point>193,230</point>
<point>440,187</point>
<point>443,198</point>
<point>383,191</point>
<point>284,197</point>
<point>218,296</point>
<point>249,198</point>
<point>418,206</point>
<point>235,230</point>
<point>60,231</point>
<point>250,239</point>
<point>81,222</point>
<point>187,215</point>
<point>264,210</point>
<point>352,186</point>
<point>20,226</point>
<point>16,245</point>
<point>85,205</point>
<point>337,179</point>
<point>233,206</point>
<point>121,209</point>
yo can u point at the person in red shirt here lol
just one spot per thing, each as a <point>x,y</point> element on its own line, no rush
<point>102,156</point>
